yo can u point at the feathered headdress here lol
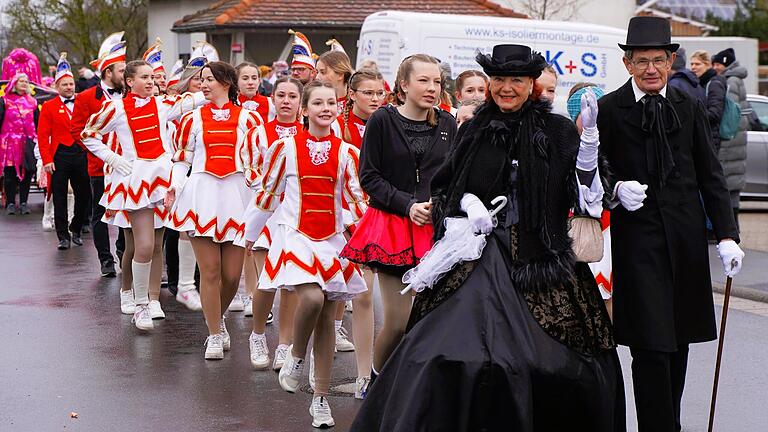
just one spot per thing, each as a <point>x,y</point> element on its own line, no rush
<point>154,56</point>
<point>302,50</point>
<point>112,51</point>
<point>63,69</point>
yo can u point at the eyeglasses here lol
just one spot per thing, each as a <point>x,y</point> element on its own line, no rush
<point>658,63</point>
<point>370,93</point>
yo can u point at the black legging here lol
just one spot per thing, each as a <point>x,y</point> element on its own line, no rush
<point>12,184</point>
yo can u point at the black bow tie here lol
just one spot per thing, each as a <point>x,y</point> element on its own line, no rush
<point>69,101</point>
<point>113,91</point>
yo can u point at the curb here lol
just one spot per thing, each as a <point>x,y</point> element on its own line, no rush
<point>742,292</point>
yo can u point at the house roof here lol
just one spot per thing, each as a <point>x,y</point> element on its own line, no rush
<point>339,14</point>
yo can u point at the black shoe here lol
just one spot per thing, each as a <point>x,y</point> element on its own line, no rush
<point>64,244</point>
<point>24,209</point>
<point>76,239</point>
<point>86,229</point>
<point>174,289</point>
<point>270,318</point>
<point>108,269</point>
<point>10,209</point>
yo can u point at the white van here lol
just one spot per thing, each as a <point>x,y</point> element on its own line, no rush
<point>579,52</point>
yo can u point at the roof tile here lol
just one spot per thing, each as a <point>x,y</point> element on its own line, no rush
<point>322,13</point>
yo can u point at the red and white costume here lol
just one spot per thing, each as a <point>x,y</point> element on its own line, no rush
<point>259,141</point>
<point>212,201</point>
<point>356,129</point>
<point>139,125</point>
<point>313,174</point>
<point>603,269</point>
<point>259,103</point>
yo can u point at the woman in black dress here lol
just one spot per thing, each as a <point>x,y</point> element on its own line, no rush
<point>518,340</point>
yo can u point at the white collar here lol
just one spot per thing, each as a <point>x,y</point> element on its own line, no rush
<point>639,93</point>
<point>105,88</point>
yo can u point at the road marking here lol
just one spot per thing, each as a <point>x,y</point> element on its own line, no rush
<point>743,305</point>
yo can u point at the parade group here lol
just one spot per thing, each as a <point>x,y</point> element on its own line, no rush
<point>338,178</point>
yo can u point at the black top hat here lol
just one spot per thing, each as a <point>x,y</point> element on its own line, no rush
<point>647,32</point>
<point>512,60</point>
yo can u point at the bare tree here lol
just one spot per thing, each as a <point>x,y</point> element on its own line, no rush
<point>550,9</point>
<point>47,27</point>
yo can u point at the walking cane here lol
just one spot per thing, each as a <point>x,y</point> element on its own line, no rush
<point>728,282</point>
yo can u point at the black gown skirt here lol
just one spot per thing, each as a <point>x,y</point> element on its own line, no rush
<point>480,361</point>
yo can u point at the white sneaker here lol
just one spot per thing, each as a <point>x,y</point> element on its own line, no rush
<point>127,304</point>
<point>290,373</point>
<point>321,413</point>
<point>190,298</point>
<point>155,310</point>
<point>279,357</point>
<point>142,318</point>
<point>224,335</point>
<point>248,306</point>
<point>361,387</point>
<point>312,369</point>
<point>342,342</point>
<point>348,306</point>
<point>214,348</point>
<point>237,304</point>
<point>259,351</point>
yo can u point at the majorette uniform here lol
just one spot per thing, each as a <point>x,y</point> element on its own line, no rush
<point>140,126</point>
<point>258,143</point>
<point>341,103</point>
<point>603,269</point>
<point>259,103</point>
<point>211,202</point>
<point>356,129</point>
<point>314,174</point>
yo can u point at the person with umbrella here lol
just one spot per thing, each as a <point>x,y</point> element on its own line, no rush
<point>657,141</point>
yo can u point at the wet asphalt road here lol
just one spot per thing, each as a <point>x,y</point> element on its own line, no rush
<point>66,348</point>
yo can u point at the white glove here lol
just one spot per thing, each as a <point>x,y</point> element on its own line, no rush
<point>479,217</point>
<point>732,255</point>
<point>588,109</point>
<point>119,164</point>
<point>631,194</point>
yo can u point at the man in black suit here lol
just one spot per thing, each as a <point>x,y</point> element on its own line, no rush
<point>656,140</point>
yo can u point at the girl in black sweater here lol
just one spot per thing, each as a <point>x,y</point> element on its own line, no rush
<point>402,148</point>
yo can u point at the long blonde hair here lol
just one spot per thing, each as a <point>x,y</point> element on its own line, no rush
<point>404,74</point>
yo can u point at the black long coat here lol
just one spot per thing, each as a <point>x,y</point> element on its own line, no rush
<point>662,286</point>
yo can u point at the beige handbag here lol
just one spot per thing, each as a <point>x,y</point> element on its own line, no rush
<point>587,235</point>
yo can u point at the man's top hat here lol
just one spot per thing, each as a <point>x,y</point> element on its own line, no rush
<point>647,32</point>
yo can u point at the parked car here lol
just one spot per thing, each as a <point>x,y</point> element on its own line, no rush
<point>757,150</point>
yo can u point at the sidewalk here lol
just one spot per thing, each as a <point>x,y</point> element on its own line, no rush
<point>751,283</point>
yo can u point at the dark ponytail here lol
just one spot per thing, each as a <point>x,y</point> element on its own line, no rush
<point>225,74</point>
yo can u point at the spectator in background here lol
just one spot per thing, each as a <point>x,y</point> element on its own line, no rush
<point>733,153</point>
<point>265,87</point>
<point>548,83</point>
<point>279,69</point>
<point>714,92</point>
<point>86,80</point>
<point>685,80</point>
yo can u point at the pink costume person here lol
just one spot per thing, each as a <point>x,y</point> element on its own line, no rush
<point>18,126</point>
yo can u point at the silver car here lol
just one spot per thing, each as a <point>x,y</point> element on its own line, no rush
<point>757,152</point>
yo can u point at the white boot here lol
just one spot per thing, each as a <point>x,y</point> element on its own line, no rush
<point>48,221</point>
<point>186,265</point>
<point>70,205</point>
